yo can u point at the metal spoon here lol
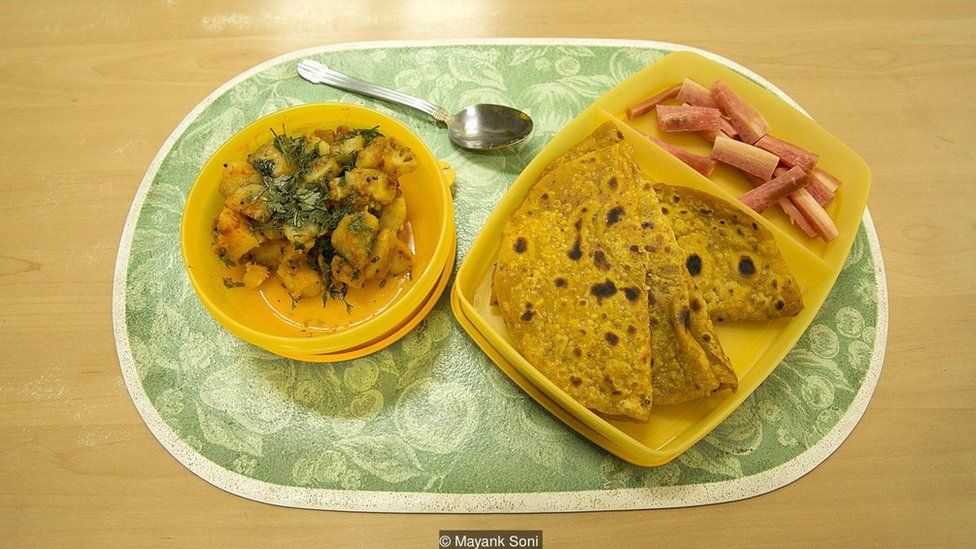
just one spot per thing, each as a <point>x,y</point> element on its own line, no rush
<point>478,127</point>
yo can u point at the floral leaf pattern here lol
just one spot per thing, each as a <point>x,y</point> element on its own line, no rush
<point>431,413</point>
<point>385,456</point>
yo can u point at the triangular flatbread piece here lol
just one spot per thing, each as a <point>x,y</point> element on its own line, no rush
<point>733,260</point>
<point>687,360</point>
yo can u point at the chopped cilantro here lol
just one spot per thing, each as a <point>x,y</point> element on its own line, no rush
<point>265,167</point>
<point>340,293</point>
<point>368,134</point>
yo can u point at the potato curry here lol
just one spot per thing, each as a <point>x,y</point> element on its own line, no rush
<point>322,212</point>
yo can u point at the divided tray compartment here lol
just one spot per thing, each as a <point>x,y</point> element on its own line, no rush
<point>755,348</point>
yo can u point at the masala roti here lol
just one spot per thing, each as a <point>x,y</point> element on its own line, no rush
<point>570,283</point>
<point>606,135</point>
<point>733,260</point>
<point>687,360</point>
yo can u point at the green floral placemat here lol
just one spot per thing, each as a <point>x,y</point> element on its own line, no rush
<point>430,424</point>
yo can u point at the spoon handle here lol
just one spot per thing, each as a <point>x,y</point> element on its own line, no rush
<point>317,73</point>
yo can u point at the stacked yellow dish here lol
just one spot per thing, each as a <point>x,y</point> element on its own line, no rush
<point>324,330</point>
<point>754,348</point>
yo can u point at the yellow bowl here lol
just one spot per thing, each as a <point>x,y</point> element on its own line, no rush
<point>266,317</point>
<point>388,339</point>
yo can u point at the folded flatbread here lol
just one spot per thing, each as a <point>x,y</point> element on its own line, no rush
<point>733,260</point>
<point>604,136</point>
<point>687,360</point>
<point>570,282</point>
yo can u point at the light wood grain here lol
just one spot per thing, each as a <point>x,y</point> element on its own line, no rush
<point>89,91</point>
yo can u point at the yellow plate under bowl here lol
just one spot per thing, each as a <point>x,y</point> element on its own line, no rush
<point>755,348</point>
<point>266,318</point>
<point>391,338</point>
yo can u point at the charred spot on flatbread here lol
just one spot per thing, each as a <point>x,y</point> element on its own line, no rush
<point>603,290</point>
<point>576,252</point>
<point>746,266</point>
<point>600,260</point>
<point>521,244</point>
<point>614,215</point>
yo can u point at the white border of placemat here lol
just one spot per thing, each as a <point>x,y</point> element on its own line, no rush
<point>418,502</point>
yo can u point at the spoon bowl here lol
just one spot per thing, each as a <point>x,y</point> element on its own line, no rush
<point>478,127</point>
<point>487,127</point>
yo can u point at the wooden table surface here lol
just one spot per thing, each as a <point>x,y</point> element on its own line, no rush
<point>90,90</point>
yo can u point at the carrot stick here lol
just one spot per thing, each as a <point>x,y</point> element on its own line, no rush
<point>826,180</point>
<point>686,118</point>
<point>822,186</point>
<point>796,217</point>
<point>645,106</point>
<point>693,93</point>
<point>815,214</point>
<point>769,193</point>
<point>821,194</point>
<point>790,154</point>
<point>700,164</point>
<point>726,130</point>
<point>749,123</point>
<point>747,158</point>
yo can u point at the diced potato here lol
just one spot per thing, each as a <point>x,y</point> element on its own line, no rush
<point>380,255</point>
<point>393,214</point>
<point>234,235</point>
<point>269,253</point>
<point>327,136</point>
<point>250,200</point>
<point>339,189</point>
<point>345,273</point>
<point>401,258</point>
<point>255,275</point>
<point>373,184</point>
<point>299,279</point>
<point>353,237</point>
<point>398,160</point>
<point>345,149</point>
<point>236,175</point>
<point>272,234</point>
<point>372,155</point>
<point>304,236</point>
<point>269,156</point>
<point>323,167</point>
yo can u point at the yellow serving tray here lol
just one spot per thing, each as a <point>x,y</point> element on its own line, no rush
<point>755,348</point>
